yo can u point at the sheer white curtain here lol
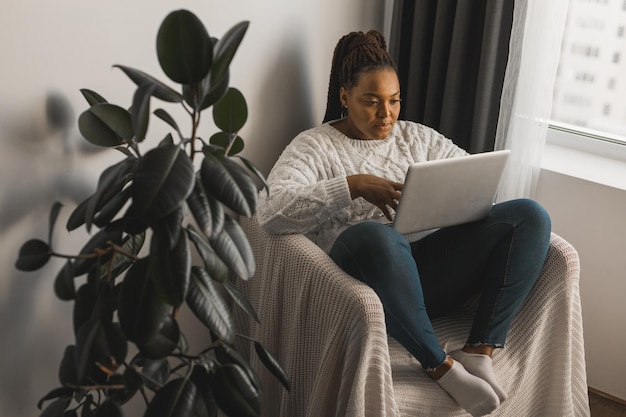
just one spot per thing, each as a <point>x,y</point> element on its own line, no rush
<point>526,102</point>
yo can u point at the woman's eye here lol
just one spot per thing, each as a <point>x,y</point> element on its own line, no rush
<point>371,103</point>
<point>397,101</point>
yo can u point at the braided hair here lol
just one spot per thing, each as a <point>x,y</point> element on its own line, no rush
<point>355,53</point>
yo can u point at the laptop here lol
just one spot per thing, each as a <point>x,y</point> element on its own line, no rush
<point>447,192</point>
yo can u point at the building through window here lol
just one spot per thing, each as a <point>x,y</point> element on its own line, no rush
<point>590,88</point>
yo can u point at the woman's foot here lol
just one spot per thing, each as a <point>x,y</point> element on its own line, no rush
<point>472,393</point>
<point>480,365</point>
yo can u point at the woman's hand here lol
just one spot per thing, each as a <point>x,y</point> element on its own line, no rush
<point>383,193</point>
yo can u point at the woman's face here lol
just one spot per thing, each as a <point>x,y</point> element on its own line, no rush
<point>373,104</point>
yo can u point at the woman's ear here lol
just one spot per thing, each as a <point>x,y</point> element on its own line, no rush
<point>343,96</point>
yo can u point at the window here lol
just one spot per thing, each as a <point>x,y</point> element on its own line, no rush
<point>590,87</point>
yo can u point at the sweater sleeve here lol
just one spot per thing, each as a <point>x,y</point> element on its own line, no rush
<point>307,187</point>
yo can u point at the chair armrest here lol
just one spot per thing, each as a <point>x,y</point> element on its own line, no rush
<point>326,328</point>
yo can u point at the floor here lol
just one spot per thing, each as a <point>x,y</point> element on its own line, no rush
<point>603,407</point>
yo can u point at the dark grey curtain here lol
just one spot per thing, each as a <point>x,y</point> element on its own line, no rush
<point>451,57</point>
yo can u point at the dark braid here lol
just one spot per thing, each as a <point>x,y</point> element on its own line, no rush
<point>355,53</point>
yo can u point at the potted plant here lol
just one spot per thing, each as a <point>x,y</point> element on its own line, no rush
<point>179,196</point>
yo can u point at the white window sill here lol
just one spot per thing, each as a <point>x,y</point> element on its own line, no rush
<point>585,158</point>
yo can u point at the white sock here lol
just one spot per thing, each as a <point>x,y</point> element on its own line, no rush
<point>481,366</point>
<point>472,393</point>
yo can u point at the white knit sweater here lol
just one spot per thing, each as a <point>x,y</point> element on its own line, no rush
<point>308,187</point>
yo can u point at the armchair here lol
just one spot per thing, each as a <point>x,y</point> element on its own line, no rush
<point>327,330</point>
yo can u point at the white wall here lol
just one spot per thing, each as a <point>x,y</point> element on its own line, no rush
<point>282,68</point>
<point>591,217</point>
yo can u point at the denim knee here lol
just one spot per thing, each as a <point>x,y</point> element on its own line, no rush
<point>371,238</point>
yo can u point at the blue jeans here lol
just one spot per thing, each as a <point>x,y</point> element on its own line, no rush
<point>499,257</point>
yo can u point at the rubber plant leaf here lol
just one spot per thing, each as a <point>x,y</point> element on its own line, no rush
<point>141,313</point>
<point>225,51</point>
<point>230,141</point>
<point>228,182</point>
<point>208,306</point>
<point>54,213</point>
<point>232,246</point>
<point>57,407</point>
<point>184,48</point>
<point>235,392</point>
<point>175,399</point>
<point>140,111</point>
<point>167,118</point>
<point>92,97</point>
<point>163,179</point>
<point>64,287</point>
<point>161,90</point>
<point>207,212</point>
<point>106,124</point>
<point>240,299</point>
<point>169,268</point>
<point>98,242</point>
<point>231,112</point>
<point>213,265</point>
<point>272,364</point>
<point>109,408</point>
<point>33,254</point>
<point>164,341</point>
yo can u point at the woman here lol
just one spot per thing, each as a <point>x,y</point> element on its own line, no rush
<point>338,183</point>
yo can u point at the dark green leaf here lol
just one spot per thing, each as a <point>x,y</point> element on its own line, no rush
<point>210,93</point>
<point>272,364</point>
<point>256,172</point>
<point>169,228</point>
<point>169,269</point>
<point>106,124</point>
<point>161,91</point>
<point>140,113</point>
<point>175,399</point>
<point>132,382</point>
<point>224,139</point>
<point>229,183</point>
<point>109,409</point>
<point>33,254</point>
<point>77,217</point>
<point>167,140</point>
<point>205,402</point>
<point>184,48</point>
<point>164,342</point>
<point>235,393</point>
<point>155,372</point>
<point>99,241</point>
<point>240,299</point>
<point>54,213</point>
<point>208,306</point>
<point>57,407</point>
<point>99,342</point>
<point>92,97</point>
<point>64,283</point>
<point>165,116</point>
<point>68,372</point>
<point>214,266</point>
<point>121,261</point>
<point>110,183</point>
<point>86,298</point>
<point>141,313</point>
<point>55,393</point>
<point>231,112</point>
<point>226,354</point>
<point>163,179</point>
<point>225,51</point>
<point>233,248</point>
<point>112,207</point>
<point>207,212</point>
